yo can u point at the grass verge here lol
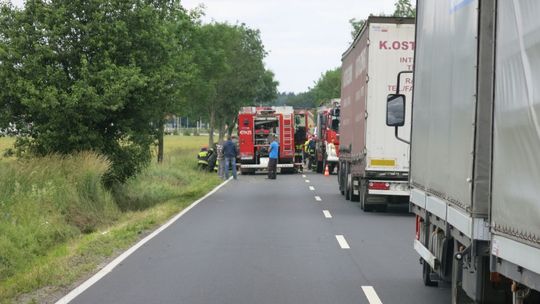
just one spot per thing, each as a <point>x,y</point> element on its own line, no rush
<point>58,225</point>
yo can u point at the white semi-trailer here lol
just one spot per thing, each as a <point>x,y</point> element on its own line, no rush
<point>373,164</point>
<point>475,146</point>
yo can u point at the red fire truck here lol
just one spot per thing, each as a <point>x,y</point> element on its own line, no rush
<point>327,144</point>
<point>255,125</point>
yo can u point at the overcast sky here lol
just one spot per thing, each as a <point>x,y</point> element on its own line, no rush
<point>304,38</point>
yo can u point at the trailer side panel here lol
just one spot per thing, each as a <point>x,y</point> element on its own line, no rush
<point>516,164</point>
<point>445,100</point>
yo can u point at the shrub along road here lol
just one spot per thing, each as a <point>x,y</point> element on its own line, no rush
<point>264,241</point>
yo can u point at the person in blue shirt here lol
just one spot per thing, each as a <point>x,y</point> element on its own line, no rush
<point>272,163</point>
<point>229,153</point>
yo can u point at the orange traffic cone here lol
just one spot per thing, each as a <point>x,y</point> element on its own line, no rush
<point>326,172</point>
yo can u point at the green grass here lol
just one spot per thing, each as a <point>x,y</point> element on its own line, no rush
<point>6,146</point>
<point>57,223</point>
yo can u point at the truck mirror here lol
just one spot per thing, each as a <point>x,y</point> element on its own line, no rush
<point>395,110</point>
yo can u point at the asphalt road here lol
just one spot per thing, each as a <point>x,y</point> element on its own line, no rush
<point>269,241</point>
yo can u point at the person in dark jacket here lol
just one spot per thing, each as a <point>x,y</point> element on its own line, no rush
<point>229,153</point>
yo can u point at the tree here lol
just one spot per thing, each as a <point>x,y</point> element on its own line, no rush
<point>231,73</point>
<point>328,86</point>
<point>92,75</point>
<point>404,8</point>
<point>357,25</point>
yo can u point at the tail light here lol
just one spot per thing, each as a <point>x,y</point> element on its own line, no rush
<point>379,186</point>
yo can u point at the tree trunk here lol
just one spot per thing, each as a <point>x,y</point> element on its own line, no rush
<point>231,126</point>
<point>221,134</point>
<point>161,132</point>
<point>212,125</point>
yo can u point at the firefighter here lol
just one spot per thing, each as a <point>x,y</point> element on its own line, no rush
<point>202,158</point>
<point>310,151</point>
<point>305,150</point>
<point>206,159</point>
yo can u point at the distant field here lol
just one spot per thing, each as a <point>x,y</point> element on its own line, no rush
<point>60,223</point>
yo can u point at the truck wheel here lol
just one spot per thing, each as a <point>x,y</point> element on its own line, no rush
<point>355,197</point>
<point>341,179</point>
<point>426,272</point>
<point>381,207</point>
<point>348,187</point>
<point>363,195</point>
<point>320,167</point>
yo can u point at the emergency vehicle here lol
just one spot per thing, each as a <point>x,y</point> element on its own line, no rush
<point>327,132</point>
<point>255,126</point>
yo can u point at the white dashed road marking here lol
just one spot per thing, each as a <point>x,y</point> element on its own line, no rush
<point>311,188</point>
<point>342,242</point>
<point>327,214</point>
<point>307,180</point>
<point>318,198</point>
<point>304,176</point>
<point>371,295</point>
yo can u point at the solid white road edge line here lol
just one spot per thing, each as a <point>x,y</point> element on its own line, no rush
<point>371,295</point>
<point>109,267</point>
<point>311,188</point>
<point>327,214</point>
<point>318,198</point>
<point>342,242</point>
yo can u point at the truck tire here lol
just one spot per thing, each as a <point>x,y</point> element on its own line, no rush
<point>363,194</point>
<point>355,197</point>
<point>348,186</point>
<point>381,207</point>
<point>426,272</point>
<point>341,173</point>
<point>364,197</point>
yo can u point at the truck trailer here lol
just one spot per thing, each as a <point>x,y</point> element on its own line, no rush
<point>373,164</point>
<point>327,136</point>
<point>475,171</point>
<point>255,126</point>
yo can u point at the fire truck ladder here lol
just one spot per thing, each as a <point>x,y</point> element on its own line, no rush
<point>288,136</point>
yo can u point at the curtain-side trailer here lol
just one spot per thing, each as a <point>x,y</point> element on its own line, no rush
<point>373,164</point>
<point>474,148</point>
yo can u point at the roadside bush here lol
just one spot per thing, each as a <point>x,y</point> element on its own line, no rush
<point>46,201</point>
<point>176,178</point>
<point>48,204</point>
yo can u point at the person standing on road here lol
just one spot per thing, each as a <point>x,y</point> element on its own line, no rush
<point>272,163</point>
<point>229,152</point>
<point>220,158</point>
